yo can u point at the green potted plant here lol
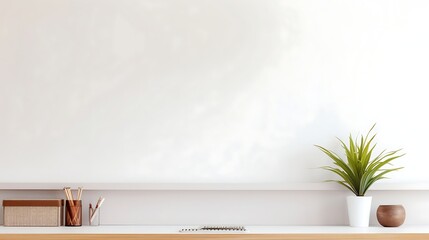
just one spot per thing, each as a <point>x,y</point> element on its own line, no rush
<point>359,171</point>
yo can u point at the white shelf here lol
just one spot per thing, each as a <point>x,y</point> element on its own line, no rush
<point>113,229</point>
<point>212,186</point>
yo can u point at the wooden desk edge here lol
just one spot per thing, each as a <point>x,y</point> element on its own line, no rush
<point>330,236</point>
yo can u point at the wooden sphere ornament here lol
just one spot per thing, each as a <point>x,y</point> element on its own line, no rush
<point>391,215</point>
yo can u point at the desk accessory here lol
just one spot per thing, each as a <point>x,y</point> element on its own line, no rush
<point>33,213</point>
<point>73,213</point>
<point>73,208</point>
<point>215,228</point>
<point>94,213</point>
<point>391,215</point>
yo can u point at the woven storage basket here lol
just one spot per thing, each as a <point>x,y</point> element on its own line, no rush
<point>33,213</point>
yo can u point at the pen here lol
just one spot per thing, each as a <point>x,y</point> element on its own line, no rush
<point>97,207</point>
<point>91,211</point>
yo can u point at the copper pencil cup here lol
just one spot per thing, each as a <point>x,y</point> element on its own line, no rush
<point>74,213</point>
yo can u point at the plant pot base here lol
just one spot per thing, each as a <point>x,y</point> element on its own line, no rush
<point>359,209</point>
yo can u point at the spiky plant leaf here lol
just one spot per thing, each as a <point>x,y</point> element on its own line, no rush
<point>360,171</point>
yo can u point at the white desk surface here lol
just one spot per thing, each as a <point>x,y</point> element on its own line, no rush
<point>140,229</point>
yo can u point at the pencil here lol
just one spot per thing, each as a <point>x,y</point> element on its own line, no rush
<point>69,196</point>
<point>79,193</point>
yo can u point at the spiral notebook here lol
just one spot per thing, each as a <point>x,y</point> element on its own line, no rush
<point>215,228</point>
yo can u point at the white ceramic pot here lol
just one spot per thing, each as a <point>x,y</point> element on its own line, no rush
<point>359,209</point>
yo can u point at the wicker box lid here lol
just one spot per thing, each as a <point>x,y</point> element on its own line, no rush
<point>34,203</point>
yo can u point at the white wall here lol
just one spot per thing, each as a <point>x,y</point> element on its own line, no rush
<point>207,91</point>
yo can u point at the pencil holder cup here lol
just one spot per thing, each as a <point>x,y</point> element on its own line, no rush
<point>94,217</point>
<point>74,213</point>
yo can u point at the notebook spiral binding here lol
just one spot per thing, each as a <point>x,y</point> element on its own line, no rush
<point>214,228</point>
